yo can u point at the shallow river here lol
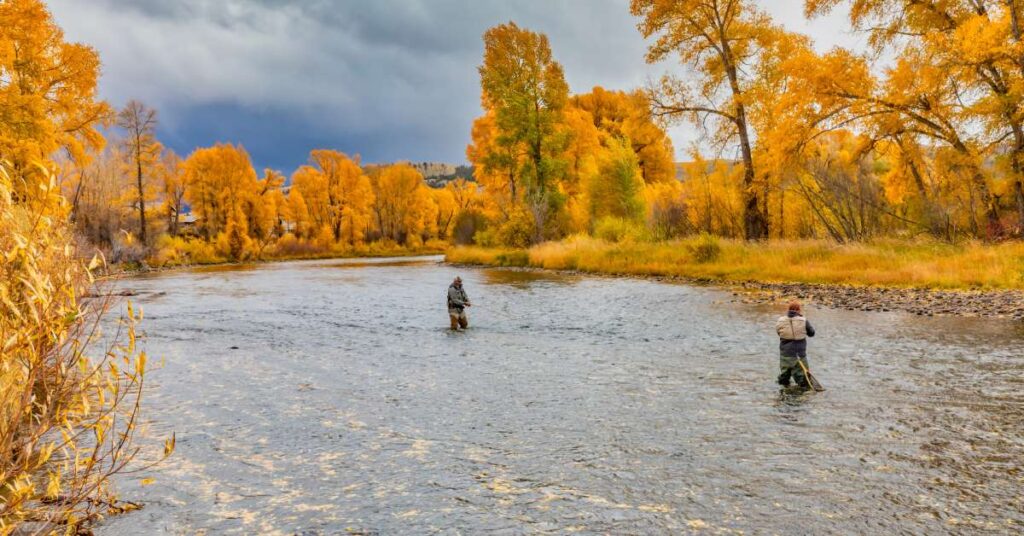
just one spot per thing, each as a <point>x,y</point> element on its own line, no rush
<point>328,397</point>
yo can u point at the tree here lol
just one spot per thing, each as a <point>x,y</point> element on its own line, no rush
<point>447,209</point>
<point>526,90</point>
<point>721,41</point>
<point>616,190</point>
<point>47,90</point>
<point>103,197</point>
<point>960,65</point>
<point>399,201</point>
<point>221,186</point>
<point>495,167</point>
<point>337,194</point>
<point>142,149</point>
<point>172,173</point>
<point>628,115</point>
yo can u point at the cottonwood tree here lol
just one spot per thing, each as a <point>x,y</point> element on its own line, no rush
<point>400,200</point>
<point>337,194</point>
<point>960,64</point>
<point>720,42</point>
<point>142,150</point>
<point>621,115</point>
<point>525,89</point>
<point>48,95</point>
<point>173,178</point>
<point>221,183</point>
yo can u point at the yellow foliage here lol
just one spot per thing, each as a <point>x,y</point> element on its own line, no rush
<point>54,397</point>
<point>47,92</point>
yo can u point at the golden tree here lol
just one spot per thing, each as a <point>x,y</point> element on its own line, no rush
<point>628,116</point>
<point>959,64</point>
<point>337,194</point>
<point>173,178</point>
<point>400,201</point>
<point>221,186</point>
<point>721,42</point>
<point>47,91</point>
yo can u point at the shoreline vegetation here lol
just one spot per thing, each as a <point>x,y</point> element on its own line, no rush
<point>924,278</point>
<point>374,250</point>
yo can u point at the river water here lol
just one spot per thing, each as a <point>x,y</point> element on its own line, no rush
<point>328,397</point>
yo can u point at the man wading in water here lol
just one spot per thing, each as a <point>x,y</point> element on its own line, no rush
<point>793,330</point>
<point>457,303</point>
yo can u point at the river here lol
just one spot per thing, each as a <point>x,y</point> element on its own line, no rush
<point>328,397</point>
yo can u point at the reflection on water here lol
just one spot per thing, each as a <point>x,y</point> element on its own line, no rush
<point>314,400</point>
<point>525,278</point>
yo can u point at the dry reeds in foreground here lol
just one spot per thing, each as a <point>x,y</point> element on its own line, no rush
<point>67,420</point>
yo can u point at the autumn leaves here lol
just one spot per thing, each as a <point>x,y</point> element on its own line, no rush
<point>551,165</point>
<point>802,144</point>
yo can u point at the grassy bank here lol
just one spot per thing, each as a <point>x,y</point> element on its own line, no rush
<point>887,263</point>
<point>177,252</point>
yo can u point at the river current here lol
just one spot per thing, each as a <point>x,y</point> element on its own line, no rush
<point>329,397</point>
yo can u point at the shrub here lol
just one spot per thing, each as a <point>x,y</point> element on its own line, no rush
<point>67,421</point>
<point>467,225</point>
<point>518,231</point>
<point>127,249</point>
<point>612,229</point>
<point>518,258</point>
<point>705,249</point>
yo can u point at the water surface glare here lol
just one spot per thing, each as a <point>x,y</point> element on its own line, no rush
<point>328,397</point>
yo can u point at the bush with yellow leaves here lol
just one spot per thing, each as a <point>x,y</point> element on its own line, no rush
<point>68,421</point>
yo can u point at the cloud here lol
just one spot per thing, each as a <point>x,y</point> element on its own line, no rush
<point>391,79</point>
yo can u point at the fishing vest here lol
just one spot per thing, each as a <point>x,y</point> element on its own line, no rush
<point>791,328</point>
<point>459,294</point>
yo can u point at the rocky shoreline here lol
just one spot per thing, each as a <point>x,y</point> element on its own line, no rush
<point>919,301</point>
<point>923,302</point>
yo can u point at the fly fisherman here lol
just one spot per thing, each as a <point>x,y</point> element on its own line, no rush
<point>457,303</point>
<point>793,330</point>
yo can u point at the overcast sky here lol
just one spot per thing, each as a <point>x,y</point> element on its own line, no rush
<point>387,79</point>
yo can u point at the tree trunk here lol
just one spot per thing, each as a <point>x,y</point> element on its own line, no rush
<point>142,196</point>
<point>755,222</point>
<point>1017,164</point>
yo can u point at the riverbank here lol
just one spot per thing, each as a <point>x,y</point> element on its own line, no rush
<point>355,253</point>
<point>919,278</point>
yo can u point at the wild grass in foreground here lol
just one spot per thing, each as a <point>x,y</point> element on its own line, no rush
<point>884,263</point>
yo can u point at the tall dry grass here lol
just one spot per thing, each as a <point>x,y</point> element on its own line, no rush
<point>889,263</point>
<point>69,408</point>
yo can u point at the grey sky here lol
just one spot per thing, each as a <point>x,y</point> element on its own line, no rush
<point>388,79</point>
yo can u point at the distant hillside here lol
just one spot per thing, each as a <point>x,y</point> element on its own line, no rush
<point>437,174</point>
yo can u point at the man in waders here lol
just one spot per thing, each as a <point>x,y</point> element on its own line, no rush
<point>793,330</point>
<point>457,303</point>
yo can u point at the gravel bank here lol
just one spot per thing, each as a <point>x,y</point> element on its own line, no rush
<point>926,302</point>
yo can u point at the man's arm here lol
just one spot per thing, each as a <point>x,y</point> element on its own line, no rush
<point>810,328</point>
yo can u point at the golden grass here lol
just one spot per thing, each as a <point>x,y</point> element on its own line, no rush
<point>884,263</point>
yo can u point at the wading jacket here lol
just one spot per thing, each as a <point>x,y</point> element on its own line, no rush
<point>793,330</point>
<point>457,299</point>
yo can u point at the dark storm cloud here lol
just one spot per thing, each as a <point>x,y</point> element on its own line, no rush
<point>389,79</point>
